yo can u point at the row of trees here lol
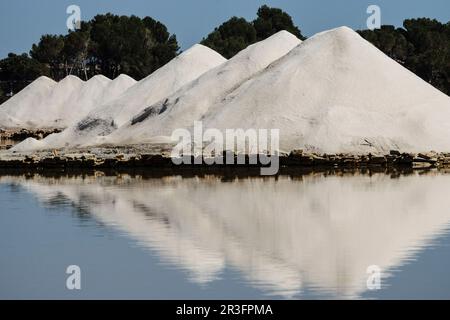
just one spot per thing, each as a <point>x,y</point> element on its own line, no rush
<point>110,44</point>
<point>236,34</point>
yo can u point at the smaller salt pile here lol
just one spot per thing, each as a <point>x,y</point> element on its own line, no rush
<point>106,117</point>
<point>17,111</point>
<point>47,104</point>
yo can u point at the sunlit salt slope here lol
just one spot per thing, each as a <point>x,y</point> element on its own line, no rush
<point>163,82</point>
<point>335,92</point>
<point>192,101</point>
<point>45,103</point>
<point>338,93</point>
<point>19,105</point>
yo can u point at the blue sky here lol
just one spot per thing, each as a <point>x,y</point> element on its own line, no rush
<point>22,22</point>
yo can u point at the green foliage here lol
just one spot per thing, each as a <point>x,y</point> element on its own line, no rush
<point>236,34</point>
<point>423,46</point>
<point>272,20</point>
<point>108,44</point>
<point>76,51</point>
<point>130,45</point>
<point>49,51</point>
<point>17,71</point>
<point>231,37</point>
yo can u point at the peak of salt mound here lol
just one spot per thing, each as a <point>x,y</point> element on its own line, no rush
<point>192,101</point>
<point>27,144</point>
<point>336,92</point>
<point>118,86</point>
<point>99,78</point>
<point>71,79</point>
<point>43,80</point>
<point>124,77</point>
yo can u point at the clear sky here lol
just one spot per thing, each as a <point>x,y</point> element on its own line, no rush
<point>22,22</point>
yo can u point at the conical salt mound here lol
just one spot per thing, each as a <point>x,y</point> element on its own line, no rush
<point>102,120</point>
<point>181,70</point>
<point>22,105</point>
<point>193,100</point>
<point>336,92</point>
<point>48,111</point>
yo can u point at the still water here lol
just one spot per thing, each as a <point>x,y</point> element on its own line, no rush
<point>305,237</point>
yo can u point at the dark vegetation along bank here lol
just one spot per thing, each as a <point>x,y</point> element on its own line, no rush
<point>131,158</point>
<point>110,44</point>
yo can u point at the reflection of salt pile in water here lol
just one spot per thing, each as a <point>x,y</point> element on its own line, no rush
<point>192,101</point>
<point>47,104</point>
<point>163,82</point>
<point>283,235</point>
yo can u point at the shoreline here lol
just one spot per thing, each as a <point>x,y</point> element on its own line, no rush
<point>158,156</point>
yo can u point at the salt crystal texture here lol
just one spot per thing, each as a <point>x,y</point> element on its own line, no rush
<point>168,79</point>
<point>336,93</point>
<point>333,93</point>
<point>192,101</point>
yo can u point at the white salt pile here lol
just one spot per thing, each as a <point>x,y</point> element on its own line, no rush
<point>337,93</point>
<point>45,111</point>
<point>106,117</point>
<point>20,105</point>
<point>97,91</point>
<point>193,100</point>
<point>47,104</point>
<point>166,80</point>
<point>333,93</point>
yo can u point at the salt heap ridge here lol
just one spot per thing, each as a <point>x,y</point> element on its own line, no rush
<point>337,93</point>
<point>192,101</point>
<point>105,118</point>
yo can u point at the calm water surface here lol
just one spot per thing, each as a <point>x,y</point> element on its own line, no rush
<point>205,237</point>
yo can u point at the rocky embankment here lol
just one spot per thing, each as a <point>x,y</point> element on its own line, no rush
<point>159,157</point>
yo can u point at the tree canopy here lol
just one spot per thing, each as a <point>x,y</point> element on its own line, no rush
<point>15,72</point>
<point>422,46</point>
<point>236,34</point>
<point>108,44</point>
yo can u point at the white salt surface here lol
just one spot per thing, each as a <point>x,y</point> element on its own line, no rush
<point>168,79</point>
<point>47,104</point>
<point>333,93</point>
<point>192,101</point>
